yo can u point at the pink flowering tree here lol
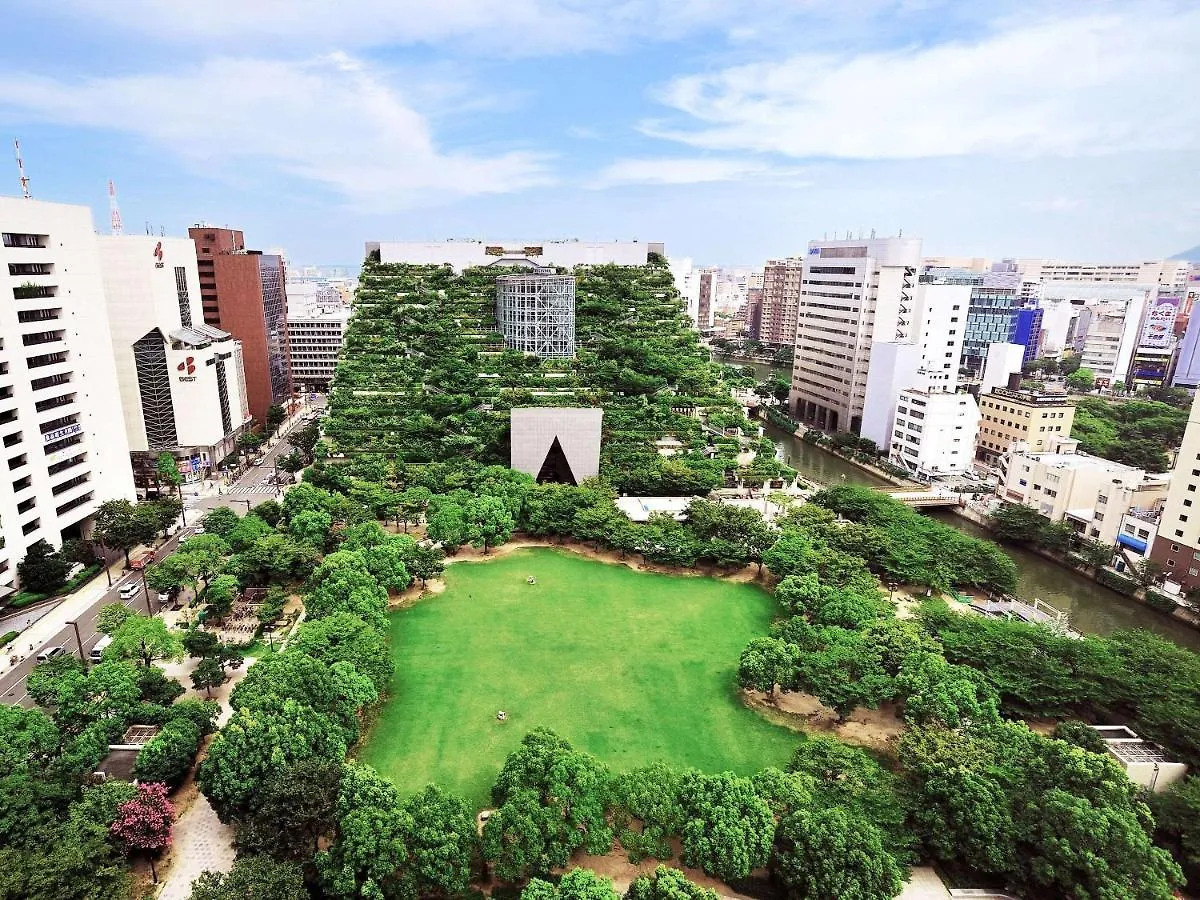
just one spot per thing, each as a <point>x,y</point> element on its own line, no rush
<point>144,823</point>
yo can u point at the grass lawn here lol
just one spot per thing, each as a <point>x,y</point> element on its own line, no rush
<point>631,667</point>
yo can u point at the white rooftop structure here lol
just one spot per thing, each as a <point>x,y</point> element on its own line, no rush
<point>556,444</point>
<point>462,254</point>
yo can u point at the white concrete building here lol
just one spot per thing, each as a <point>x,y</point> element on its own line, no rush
<point>1094,495</point>
<point>854,293</point>
<point>1003,361</point>
<point>1107,335</point>
<point>466,253</point>
<point>314,341</point>
<point>927,360</point>
<point>63,452</point>
<point>1167,273</point>
<point>182,383</point>
<point>934,433</point>
<point>1113,311</point>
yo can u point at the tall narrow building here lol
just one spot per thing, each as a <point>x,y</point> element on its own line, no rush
<point>242,292</point>
<point>1177,544</point>
<point>781,283</point>
<point>62,448</point>
<point>853,293</point>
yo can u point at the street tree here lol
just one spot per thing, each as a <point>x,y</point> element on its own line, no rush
<point>167,472</point>
<point>821,853</point>
<point>112,616</point>
<point>667,884</point>
<point>276,415</point>
<point>219,521</point>
<point>119,527</point>
<point>144,639</point>
<point>208,674</point>
<point>295,810</point>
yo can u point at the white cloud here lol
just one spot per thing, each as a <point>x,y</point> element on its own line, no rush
<point>329,120</point>
<point>689,171</point>
<point>1073,86</point>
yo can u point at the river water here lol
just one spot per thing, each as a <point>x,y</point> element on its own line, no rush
<point>1090,607</point>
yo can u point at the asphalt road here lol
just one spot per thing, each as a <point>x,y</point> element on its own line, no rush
<point>249,490</point>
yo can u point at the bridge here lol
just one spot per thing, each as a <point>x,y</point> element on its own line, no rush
<point>926,499</point>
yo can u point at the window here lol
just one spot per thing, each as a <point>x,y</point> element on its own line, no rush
<point>1192,488</point>
<point>1187,502</point>
<point>1178,533</point>
<point>1183,518</point>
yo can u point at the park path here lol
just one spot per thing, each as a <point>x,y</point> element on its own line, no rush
<point>201,842</point>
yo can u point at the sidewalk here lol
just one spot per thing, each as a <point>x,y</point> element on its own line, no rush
<point>67,610</point>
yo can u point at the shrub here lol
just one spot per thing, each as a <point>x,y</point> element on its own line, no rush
<point>169,754</point>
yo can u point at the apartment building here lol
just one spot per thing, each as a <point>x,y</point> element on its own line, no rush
<point>1010,416</point>
<point>1176,546</point>
<point>243,292</point>
<point>704,300</point>
<point>62,455</point>
<point>1094,495</point>
<point>853,294</point>
<point>934,433</point>
<point>182,383</point>
<point>1167,273</point>
<point>781,283</point>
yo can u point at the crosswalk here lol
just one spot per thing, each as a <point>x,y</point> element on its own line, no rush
<point>251,489</point>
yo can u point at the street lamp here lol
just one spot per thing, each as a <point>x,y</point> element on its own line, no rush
<point>78,642</point>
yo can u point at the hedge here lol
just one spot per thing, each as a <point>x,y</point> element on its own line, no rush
<point>1118,583</point>
<point>1161,602</point>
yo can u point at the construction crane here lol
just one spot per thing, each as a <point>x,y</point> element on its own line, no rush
<point>21,169</point>
<point>114,210</point>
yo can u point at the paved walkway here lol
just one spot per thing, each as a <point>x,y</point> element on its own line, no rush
<point>201,844</point>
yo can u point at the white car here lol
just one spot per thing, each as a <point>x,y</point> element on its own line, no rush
<point>130,590</point>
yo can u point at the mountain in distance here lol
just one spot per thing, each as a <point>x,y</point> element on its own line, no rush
<point>1192,255</point>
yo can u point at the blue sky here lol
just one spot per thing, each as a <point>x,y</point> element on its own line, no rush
<point>733,131</point>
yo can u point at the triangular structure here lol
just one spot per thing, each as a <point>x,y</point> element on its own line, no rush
<point>555,467</point>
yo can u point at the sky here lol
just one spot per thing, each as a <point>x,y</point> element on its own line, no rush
<point>732,130</point>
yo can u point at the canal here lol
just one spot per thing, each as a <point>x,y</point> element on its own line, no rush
<point>1090,607</point>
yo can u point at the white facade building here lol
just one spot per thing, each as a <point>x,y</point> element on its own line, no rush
<point>182,384</point>
<point>314,342</point>
<point>63,455</point>
<point>466,253</point>
<point>1091,493</point>
<point>854,293</point>
<point>927,360</point>
<point>1167,273</point>
<point>934,433</point>
<point>1003,361</point>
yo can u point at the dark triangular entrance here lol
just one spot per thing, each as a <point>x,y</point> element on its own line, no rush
<point>555,467</point>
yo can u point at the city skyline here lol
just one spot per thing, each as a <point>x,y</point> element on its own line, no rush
<point>733,135</point>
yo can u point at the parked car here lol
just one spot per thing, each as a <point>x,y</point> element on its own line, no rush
<point>50,653</point>
<point>129,590</point>
<point>97,654</point>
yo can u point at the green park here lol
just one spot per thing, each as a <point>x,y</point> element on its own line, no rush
<point>632,667</point>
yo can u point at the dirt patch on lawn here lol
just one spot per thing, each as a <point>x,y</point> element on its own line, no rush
<point>616,865</point>
<point>876,729</point>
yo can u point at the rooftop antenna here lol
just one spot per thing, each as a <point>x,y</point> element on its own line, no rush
<point>21,169</point>
<point>114,211</point>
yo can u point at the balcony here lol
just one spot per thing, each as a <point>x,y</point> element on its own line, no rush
<point>18,269</point>
<point>39,338</point>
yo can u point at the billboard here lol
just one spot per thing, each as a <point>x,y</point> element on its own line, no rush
<point>1159,329</point>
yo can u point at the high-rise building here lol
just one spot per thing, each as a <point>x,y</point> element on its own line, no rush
<point>704,304</point>
<point>62,454</point>
<point>183,390</point>
<point>1177,545</point>
<point>242,291</point>
<point>781,283</point>
<point>992,316</point>
<point>853,294</point>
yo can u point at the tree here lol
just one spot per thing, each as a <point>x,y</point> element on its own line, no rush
<point>208,674</point>
<point>1017,523</point>
<point>255,744</point>
<point>1080,734</point>
<point>767,663</point>
<point>250,441</point>
<point>1082,380</point>
<point>252,878</point>
<point>370,851</point>
<point>276,415</point>
<point>145,639</point>
<point>344,637</point>
<point>275,557</point>
<point>246,531</point>
<point>578,884</point>
<point>220,594</point>
<point>144,822</point>
<point>412,504</point>
<point>290,462</point>
<point>1094,553</point>
<point>1177,816</point>
<point>43,569</point>
<point>168,472</point>
<point>443,842</point>
<point>950,695</point>
<point>269,511</point>
<point>112,616</point>
<point>200,643</point>
<point>169,755</point>
<point>294,811</point>
<point>728,828</point>
<point>1148,572</point>
<point>426,563</point>
<point>117,525</point>
<point>311,527</point>
<point>489,521</point>
<point>667,884</point>
<point>161,513</point>
<point>220,521</point>
<point>825,853</point>
<point>447,525</point>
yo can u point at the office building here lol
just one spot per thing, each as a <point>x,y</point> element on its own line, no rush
<point>853,294</point>
<point>315,337</point>
<point>934,433</point>
<point>243,292</point>
<point>1167,273</point>
<point>536,313</point>
<point>1010,416</point>
<point>63,451</point>
<point>704,300</point>
<point>781,283</point>
<point>562,254</point>
<point>993,313</point>
<point>1092,494</point>
<point>1187,363</point>
<point>1003,362</point>
<point>1177,544</point>
<point>183,390</point>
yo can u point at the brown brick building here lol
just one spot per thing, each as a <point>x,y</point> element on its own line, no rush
<point>243,292</point>
<point>780,300</point>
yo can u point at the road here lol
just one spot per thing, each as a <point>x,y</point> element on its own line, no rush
<point>248,489</point>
